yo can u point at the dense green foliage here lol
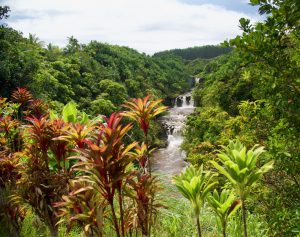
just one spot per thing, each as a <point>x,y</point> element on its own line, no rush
<point>98,77</point>
<point>253,94</point>
<point>204,52</point>
<point>4,10</point>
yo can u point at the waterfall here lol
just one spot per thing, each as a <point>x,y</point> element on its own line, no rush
<point>170,160</point>
<point>184,101</point>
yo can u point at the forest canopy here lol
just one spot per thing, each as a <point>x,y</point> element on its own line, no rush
<point>85,73</point>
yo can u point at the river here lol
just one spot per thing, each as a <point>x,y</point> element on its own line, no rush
<point>171,160</point>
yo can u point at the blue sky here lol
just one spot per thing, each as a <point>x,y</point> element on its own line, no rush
<point>234,5</point>
<point>148,26</point>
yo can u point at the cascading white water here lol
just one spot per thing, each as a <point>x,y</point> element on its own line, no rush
<point>170,160</point>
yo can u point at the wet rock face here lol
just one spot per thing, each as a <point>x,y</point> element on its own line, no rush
<point>188,99</point>
<point>179,101</point>
<point>184,101</point>
<point>170,101</point>
<point>169,129</point>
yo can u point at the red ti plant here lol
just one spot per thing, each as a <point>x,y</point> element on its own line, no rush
<point>10,128</point>
<point>103,165</point>
<point>84,207</point>
<point>39,133</point>
<point>60,148</point>
<point>78,134</point>
<point>141,155</point>
<point>143,189</point>
<point>43,179</point>
<point>36,108</point>
<point>23,97</point>
<point>11,214</point>
<point>142,111</point>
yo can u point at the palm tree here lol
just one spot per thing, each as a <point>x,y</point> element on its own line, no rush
<point>224,204</point>
<point>194,184</point>
<point>239,166</point>
<point>34,40</point>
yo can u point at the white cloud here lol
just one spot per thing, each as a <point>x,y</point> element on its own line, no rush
<point>148,26</point>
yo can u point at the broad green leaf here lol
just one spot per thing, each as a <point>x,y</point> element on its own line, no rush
<point>70,112</point>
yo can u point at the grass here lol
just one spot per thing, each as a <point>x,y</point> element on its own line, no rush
<point>33,227</point>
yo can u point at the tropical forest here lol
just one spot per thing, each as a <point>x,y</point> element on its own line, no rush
<point>103,140</point>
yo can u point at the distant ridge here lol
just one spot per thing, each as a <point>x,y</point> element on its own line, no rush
<point>205,52</point>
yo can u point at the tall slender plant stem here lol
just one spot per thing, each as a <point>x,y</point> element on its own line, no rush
<point>150,217</point>
<point>199,227</point>
<point>244,218</point>
<point>224,229</point>
<point>147,154</point>
<point>53,231</point>
<point>148,226</point>
<point>121,212</point>
<point>50,221</point>
<point>115,220</point>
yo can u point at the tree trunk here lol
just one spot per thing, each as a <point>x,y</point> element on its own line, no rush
<point>198,227</point>
<point>244,218</point>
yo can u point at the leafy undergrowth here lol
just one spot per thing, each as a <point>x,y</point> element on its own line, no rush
<point>173,221</point>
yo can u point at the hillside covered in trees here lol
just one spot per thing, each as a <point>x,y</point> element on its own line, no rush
<point>97,76</point>
<point>204,52</point>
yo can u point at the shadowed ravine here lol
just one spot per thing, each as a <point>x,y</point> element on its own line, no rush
<point>170,160</point>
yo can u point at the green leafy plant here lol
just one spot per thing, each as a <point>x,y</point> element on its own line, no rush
<point>224,204</point>
<point>239,167</point>
<point>69,112</point>
<point>194,184</point>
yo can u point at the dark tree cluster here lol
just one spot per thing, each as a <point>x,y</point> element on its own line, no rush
<point>204,52</point>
